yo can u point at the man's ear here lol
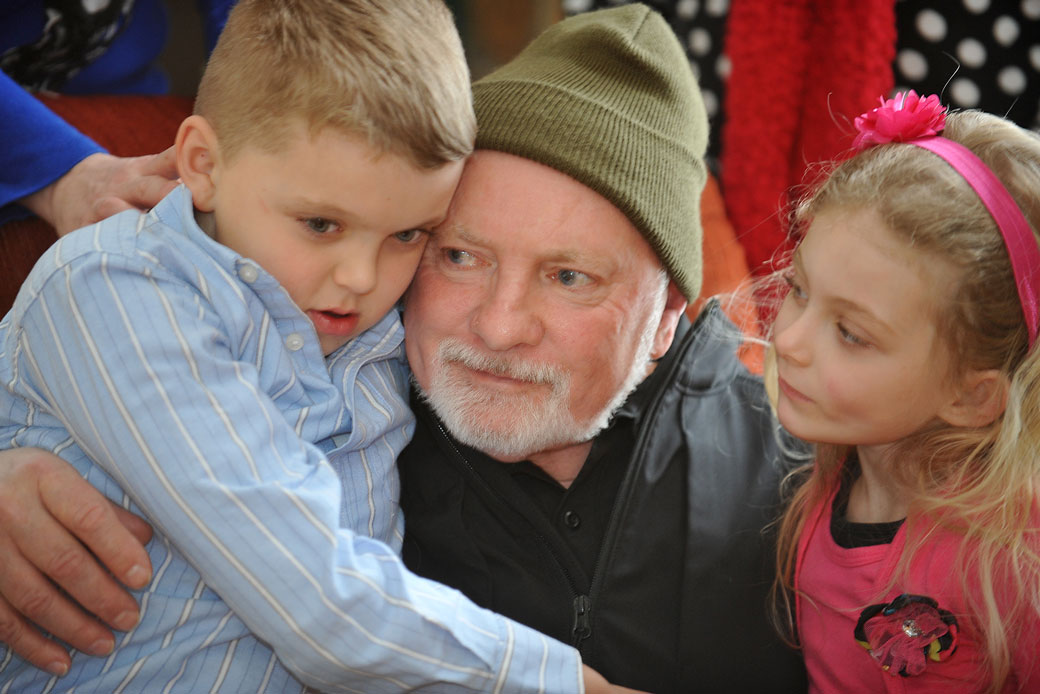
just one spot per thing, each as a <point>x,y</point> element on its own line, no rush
<point>674,306</point>
<point>981,398</point>
<point>198,156</point>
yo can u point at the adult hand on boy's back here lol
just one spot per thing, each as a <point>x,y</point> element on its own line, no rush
<point>102,185</point>
<point>51,521</point>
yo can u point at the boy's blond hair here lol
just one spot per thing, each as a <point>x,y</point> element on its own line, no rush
<point>390,71</point>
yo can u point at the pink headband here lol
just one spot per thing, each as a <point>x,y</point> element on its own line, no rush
<point>915,121</point>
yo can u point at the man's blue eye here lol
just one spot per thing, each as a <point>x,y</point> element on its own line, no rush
<point>573,278</point>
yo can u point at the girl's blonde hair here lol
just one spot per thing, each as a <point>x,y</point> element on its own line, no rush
<point>980,484</point>
<point>393,73</point>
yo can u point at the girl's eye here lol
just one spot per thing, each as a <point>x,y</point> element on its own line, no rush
<point>319,225</point>
<point>851,338</point>
<point>408,236</point>
<point>796,289</point>
<point>573,278</point>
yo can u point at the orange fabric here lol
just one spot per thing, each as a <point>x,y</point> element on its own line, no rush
<point>726,272</point>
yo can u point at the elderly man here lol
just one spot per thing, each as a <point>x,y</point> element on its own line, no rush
<point>585,461</point>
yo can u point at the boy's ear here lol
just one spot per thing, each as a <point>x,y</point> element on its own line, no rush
<point>674,305</point>
<point>981,399</point>
<point>197,160</point>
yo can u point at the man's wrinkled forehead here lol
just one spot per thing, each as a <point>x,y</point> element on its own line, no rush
<point>561,250</point>
<point>512,208</point>
<point>495,178</point>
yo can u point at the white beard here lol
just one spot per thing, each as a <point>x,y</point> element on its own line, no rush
<point>511,427</point>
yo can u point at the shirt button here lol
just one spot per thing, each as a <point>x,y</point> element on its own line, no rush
<point>248,273</point>
<point>294,341</point>
<point>572,520</point>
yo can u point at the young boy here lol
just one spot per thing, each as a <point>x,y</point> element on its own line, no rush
<point>230,364</point>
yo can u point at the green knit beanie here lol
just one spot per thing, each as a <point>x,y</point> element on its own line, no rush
<point>609,99</point>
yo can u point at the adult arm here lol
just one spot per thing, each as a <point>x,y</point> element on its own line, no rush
<point>196,443</point>
<point>53,523</point>
<point>49,167</point>
<point>49,516</point>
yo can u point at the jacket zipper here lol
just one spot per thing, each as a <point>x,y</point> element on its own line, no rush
<point>582,628</point>
<point>639,448</point>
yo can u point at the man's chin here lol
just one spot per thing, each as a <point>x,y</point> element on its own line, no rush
<point>507,447</point>
<point>509,429</point>
<point>506,438</point>
<point>494,445</point>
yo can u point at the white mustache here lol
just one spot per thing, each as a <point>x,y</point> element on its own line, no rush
<point>454,351</point>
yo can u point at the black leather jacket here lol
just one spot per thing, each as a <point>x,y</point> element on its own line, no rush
<point>678,598</point>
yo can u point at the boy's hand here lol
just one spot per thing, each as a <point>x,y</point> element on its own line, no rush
<point>51,520</point>
<point>596,684</point>
<point>102,185</point>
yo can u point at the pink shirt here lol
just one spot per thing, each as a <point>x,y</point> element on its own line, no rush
<point>835,584</point>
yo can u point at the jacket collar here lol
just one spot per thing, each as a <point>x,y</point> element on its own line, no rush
<point>712,338</point>
<point>714,341</point>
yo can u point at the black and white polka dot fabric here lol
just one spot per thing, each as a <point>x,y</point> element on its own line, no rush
<point>976,53</point>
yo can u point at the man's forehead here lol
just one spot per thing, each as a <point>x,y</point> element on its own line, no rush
<point>505,199</point>
<point>561,247</point>
<point>494,180</point>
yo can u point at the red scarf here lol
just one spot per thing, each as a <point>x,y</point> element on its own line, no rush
<point>802,70</point>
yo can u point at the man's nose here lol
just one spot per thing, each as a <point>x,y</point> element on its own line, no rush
<point>509,316</point>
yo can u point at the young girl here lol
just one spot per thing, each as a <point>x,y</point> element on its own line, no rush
<point>905,350</point>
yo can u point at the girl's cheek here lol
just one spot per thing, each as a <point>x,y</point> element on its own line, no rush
<point>835,389</point>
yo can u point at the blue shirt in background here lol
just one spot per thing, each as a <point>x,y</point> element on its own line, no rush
<point>36,146</point>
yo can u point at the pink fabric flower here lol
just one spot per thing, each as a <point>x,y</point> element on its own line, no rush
<point>905,634</point>
<point>905,117</point>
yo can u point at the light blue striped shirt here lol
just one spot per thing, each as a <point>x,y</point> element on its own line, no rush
<point>182,381</point>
